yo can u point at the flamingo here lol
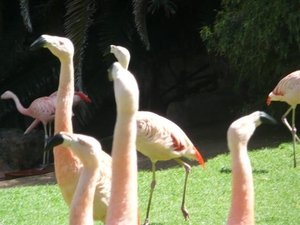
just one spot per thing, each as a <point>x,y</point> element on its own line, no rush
<point>78,97</point>
<point>123,203</point>
<point>160,139</point>
<point>288,90</point>
<point>68,167</point>
<point>42,109</point>
<point>93,160</point>
<point>238,135</point>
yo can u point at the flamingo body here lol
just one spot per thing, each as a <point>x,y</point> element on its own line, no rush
<point>160,139</point>
<point>42,108</point>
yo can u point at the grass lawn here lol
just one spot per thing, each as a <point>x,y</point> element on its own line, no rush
<point>277,195</point>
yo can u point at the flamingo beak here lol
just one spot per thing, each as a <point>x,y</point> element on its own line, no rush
<point>107,51</point>
<point>38,43</point>
<point>266,118</point>
<point>57,139</point>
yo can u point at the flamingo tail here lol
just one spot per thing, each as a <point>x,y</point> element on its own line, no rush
<point>83,96</point>
<point>199,157</point>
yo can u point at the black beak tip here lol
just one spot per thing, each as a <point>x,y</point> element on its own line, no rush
<point>266,118</point>
<point>107,51</point>
<point>54,141</point>
<point>38,43</point>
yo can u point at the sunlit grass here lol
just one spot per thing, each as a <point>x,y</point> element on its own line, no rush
<point>208,196</point>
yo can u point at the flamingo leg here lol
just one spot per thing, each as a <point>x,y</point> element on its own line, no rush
<point>50,134</point>
<point>187,172</point>
<point>45,143</point>
<point>286,123</point>
<point>153,183</point>
<point>292,129</point>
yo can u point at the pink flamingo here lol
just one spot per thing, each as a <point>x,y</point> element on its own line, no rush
<point>42,110</point>
<point>123,207</point>
<point>238,135</point>
<point>78,97</point>
<point>159,138</point>
<point>288,90</point>
<point>68,167</point>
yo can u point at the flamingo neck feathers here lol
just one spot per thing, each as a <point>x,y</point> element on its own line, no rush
<point>20,107</point>
<point>123,202</point>
<point>81,209</point>
<point>66,163</point>
<point>242,202</point>
<point>242,189</point>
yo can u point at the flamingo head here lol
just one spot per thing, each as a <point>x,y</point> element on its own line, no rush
<point>121,54</point>
<point>86,148</point>
<point>59,46</point>
<point>241,130</point>
<point>7,95</point>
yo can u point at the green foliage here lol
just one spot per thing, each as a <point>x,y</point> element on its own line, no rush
<point>260,39</point>
<point>276,185</point>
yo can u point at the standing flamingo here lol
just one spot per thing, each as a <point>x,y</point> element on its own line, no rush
<point>67,166</point>
<point>93,160</point>
<point>78,97</point>
<point>288,90</point>
<point>42,109</point>
<point>160,139</point>
<point>123,206</point>
<point>238,135</point>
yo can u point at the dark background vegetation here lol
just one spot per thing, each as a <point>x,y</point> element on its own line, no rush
<point>250,45</point>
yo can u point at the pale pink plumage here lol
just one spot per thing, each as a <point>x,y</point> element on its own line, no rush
<point>288,90</point>
<point>160,139</point>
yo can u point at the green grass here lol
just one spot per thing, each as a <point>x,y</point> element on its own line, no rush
<point>277,194</point>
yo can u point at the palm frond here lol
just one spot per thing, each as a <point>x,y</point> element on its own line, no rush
<point>140,11</point>
<point>116,26</point>
<point>78,20</point>
<point>24,7</point>
<point>168,6</point>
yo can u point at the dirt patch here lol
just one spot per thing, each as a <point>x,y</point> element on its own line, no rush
<point>210,139</point>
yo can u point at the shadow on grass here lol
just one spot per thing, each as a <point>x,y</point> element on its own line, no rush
<point>227,170</point>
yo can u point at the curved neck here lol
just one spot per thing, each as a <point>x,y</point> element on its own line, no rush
<point>65,162</point>
<point>124,172</point>
<point>19,106</point>
<point>64,100</point>
<point>242,202</point>
<point>81,210</point>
